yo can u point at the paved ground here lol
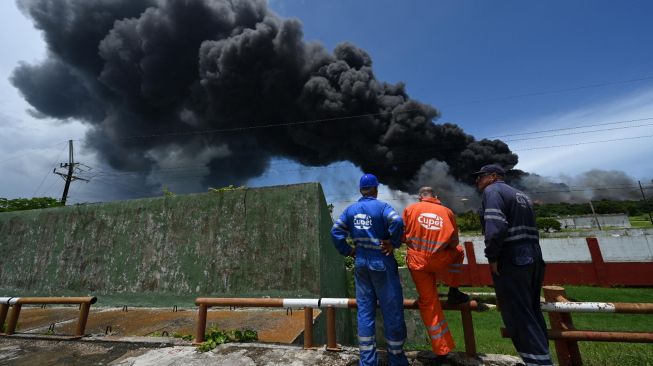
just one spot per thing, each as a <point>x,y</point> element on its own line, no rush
<point>145,351</point>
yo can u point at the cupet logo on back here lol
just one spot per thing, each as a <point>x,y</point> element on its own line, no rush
<point>430,221</point>
<point>362,221</point>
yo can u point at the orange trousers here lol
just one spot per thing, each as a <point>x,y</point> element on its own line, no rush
<point>425,269</point>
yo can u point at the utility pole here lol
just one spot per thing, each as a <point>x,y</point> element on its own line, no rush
<point>595,217</point>
<point>644,197</point>
<point>68,177</point>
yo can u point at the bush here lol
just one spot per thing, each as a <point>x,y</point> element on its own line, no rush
<point>548,224</point>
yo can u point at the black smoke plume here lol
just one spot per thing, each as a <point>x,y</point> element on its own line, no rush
<point>229,84</point>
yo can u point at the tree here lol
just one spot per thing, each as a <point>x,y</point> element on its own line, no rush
<point>548,224</point>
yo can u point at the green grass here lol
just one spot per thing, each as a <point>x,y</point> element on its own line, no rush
<point>641,221</point>
<point>488,337</point>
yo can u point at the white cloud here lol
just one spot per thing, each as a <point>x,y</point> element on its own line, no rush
<point>628,152</point>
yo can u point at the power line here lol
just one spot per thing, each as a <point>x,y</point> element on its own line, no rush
<point>571,128</point>
<point>585,143</point>
<point>30,152</point>
<point>47,174</point>
<point>554,91</point>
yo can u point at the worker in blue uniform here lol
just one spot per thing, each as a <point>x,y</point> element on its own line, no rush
<point>375,228</point>
<point>512,248</point>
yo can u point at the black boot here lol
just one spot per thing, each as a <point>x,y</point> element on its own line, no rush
<point>455,297</point>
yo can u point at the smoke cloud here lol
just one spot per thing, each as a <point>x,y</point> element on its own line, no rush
<point>234,84</point>
<point>220,87</point>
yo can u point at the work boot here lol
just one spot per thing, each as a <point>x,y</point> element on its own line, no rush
<point>455,296</point>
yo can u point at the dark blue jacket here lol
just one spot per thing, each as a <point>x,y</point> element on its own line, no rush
<point>507,219</point>
<point>367,221</point>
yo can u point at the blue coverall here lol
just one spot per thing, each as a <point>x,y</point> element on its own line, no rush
<point>367,222</point>
<point>512,240</point>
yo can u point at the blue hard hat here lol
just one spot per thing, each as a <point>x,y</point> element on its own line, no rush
<point>369,180</point>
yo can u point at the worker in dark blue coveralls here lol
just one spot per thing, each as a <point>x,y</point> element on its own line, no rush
<point>512,248</point>
<point>376,229</point>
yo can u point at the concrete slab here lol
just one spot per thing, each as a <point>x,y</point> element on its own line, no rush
<point>17,351</point>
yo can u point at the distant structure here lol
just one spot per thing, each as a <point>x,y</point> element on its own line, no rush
<point>589,221</point>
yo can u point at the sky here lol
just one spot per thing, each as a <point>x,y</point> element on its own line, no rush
<point>567,85</point>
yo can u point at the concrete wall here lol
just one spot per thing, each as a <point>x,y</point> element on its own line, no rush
<point>271,241</point>
<point>587,222</point>
<point>574,250</point>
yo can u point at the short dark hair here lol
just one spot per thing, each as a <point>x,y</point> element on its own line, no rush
<point>427,191</point>
<point>366,191</point>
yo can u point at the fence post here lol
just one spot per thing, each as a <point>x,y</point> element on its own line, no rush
<point>468,330</point>
<point>567,350</point>
<point>474,277</point>
<point>308,327</point>
<point>597,260</point>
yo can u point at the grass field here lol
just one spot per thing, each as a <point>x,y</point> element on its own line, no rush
<point>488,338</point>
<point>640,221</point>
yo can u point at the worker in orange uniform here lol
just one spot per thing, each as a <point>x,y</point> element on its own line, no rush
<point>433,251</point>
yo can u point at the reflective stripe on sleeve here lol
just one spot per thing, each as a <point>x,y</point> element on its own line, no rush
<point>492,217</point>
<point>494,210</point>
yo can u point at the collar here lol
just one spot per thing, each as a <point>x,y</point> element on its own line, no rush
<point>366,198</point>
<point>431,200</point>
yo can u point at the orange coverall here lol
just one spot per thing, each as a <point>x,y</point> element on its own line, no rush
<point>433,252</point>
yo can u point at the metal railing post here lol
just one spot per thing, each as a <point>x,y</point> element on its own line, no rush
<point>13,319</point>
<point>567,350</point>
<point>308,327</point>
<point>201,324</point>
<point>331,329</point>
<point>83,318</point>
<point>4,309</point>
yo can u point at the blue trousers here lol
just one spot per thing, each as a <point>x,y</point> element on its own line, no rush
<point>377,279</point>
<point>518,286</point>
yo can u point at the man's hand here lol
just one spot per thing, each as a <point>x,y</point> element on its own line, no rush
<point>386,247</point>
<point>353,252</point>
<point>494,267</point>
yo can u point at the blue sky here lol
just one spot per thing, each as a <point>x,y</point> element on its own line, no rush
<point>494,68</point>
